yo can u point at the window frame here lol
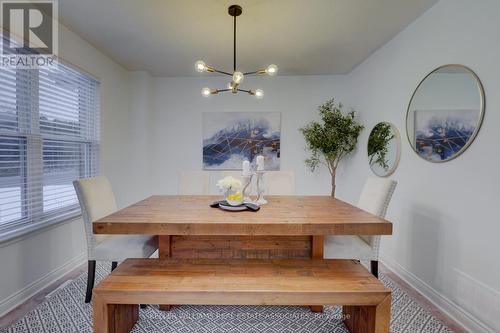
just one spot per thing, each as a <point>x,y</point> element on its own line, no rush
<point>33,216</point>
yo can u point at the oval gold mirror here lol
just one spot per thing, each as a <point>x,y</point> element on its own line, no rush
<point>445,113</point>
<point>384,149</point>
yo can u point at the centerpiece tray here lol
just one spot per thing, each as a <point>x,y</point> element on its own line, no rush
<point>242,207</point>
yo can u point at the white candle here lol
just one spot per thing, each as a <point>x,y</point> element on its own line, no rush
<point>245,168</point>
<point>260,163</point>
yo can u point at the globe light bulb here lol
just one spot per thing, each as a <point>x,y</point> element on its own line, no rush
<point>205,92</point>
<point>200,66</point>
<point>272,70</point>
<point>238,77</point>
<point>259,93</point>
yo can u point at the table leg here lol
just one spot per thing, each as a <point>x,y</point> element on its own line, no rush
<point>317,247</point>
<point>165,251</point>
<point>164,246</point>
<point>317,253</point>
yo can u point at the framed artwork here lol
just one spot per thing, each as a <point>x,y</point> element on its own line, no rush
<point>229,138</point>
<point>441,134</point>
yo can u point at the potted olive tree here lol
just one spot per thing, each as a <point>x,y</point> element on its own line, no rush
<point>330,140</point>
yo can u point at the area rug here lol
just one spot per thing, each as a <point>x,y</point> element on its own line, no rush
<point>64,310</point>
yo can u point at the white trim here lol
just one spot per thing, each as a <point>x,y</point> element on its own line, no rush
<point>32,229</point>
<point>14,300</point>
<point>448,307</point>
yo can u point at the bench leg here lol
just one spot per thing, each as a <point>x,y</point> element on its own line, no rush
<point>316,308</point>
<point>368,319</point>
<point>165,251</point>
<point>114,318</point>
<point>165,307</point>
<point>317,253</point>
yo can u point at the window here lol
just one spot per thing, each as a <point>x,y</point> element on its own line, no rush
<point>49,136</point>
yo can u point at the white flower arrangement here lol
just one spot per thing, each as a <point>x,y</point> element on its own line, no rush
<point>229,184</point>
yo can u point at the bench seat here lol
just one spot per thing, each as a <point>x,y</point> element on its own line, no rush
<point>241,282</point>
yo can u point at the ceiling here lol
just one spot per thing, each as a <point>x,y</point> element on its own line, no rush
<point>166,37</point>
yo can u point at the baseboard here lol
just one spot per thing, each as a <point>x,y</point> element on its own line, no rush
<point>8,304</point>
<point>448,307</point>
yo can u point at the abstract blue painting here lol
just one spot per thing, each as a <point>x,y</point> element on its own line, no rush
<point>441,134</point>
<point>229,138</point>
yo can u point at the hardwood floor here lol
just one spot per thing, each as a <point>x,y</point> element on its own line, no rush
<point>37,299</point>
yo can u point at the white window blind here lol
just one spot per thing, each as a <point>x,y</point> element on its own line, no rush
<point>49,136</point>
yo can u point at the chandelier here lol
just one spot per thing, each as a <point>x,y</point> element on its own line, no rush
<point>237,76</point>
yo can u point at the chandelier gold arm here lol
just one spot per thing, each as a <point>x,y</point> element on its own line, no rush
<point>237,76</point>
<point>259,72</point>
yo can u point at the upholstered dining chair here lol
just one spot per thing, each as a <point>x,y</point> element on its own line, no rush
<point>233,173</point>
<point>279,183</point>
<point>194,182</point>
<point>375,198</point>
<point>96,201</point>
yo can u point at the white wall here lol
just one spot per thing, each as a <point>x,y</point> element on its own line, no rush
<point>30,263</point>
<point>136,178</point>
<point>445,216</point>
<point>177,125</point>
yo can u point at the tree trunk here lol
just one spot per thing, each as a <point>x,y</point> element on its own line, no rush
<point>334,173</point>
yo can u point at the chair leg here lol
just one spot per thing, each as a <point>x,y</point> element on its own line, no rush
<point>114,264</point>
<point>90,280</point>
<point>374,268</point>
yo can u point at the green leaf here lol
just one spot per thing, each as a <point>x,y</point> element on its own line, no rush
<point>378,144</point>
<point>334,137</point>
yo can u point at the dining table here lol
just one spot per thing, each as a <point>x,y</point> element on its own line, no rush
<point>286,227</point>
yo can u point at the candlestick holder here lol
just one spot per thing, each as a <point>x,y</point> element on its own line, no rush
<point>247,180</point>
<point>260,188</point>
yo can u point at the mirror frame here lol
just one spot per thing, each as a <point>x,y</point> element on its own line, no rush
<point>397,136</point>
<point>479,121</point>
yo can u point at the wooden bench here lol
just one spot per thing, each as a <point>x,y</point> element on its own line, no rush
<point>366,302</point>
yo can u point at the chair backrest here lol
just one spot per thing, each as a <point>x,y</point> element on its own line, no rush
<point>280,183</point>
<point>376,195</point>
<point>97,200</point>
<point>235,174</point>
<point>375,198</point>
<point>194,182</point>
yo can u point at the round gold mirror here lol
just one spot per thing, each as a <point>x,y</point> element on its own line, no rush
<point>445,113</point>
<point>384,149</point>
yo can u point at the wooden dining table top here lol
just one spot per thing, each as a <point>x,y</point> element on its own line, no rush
<point>283,215</point>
